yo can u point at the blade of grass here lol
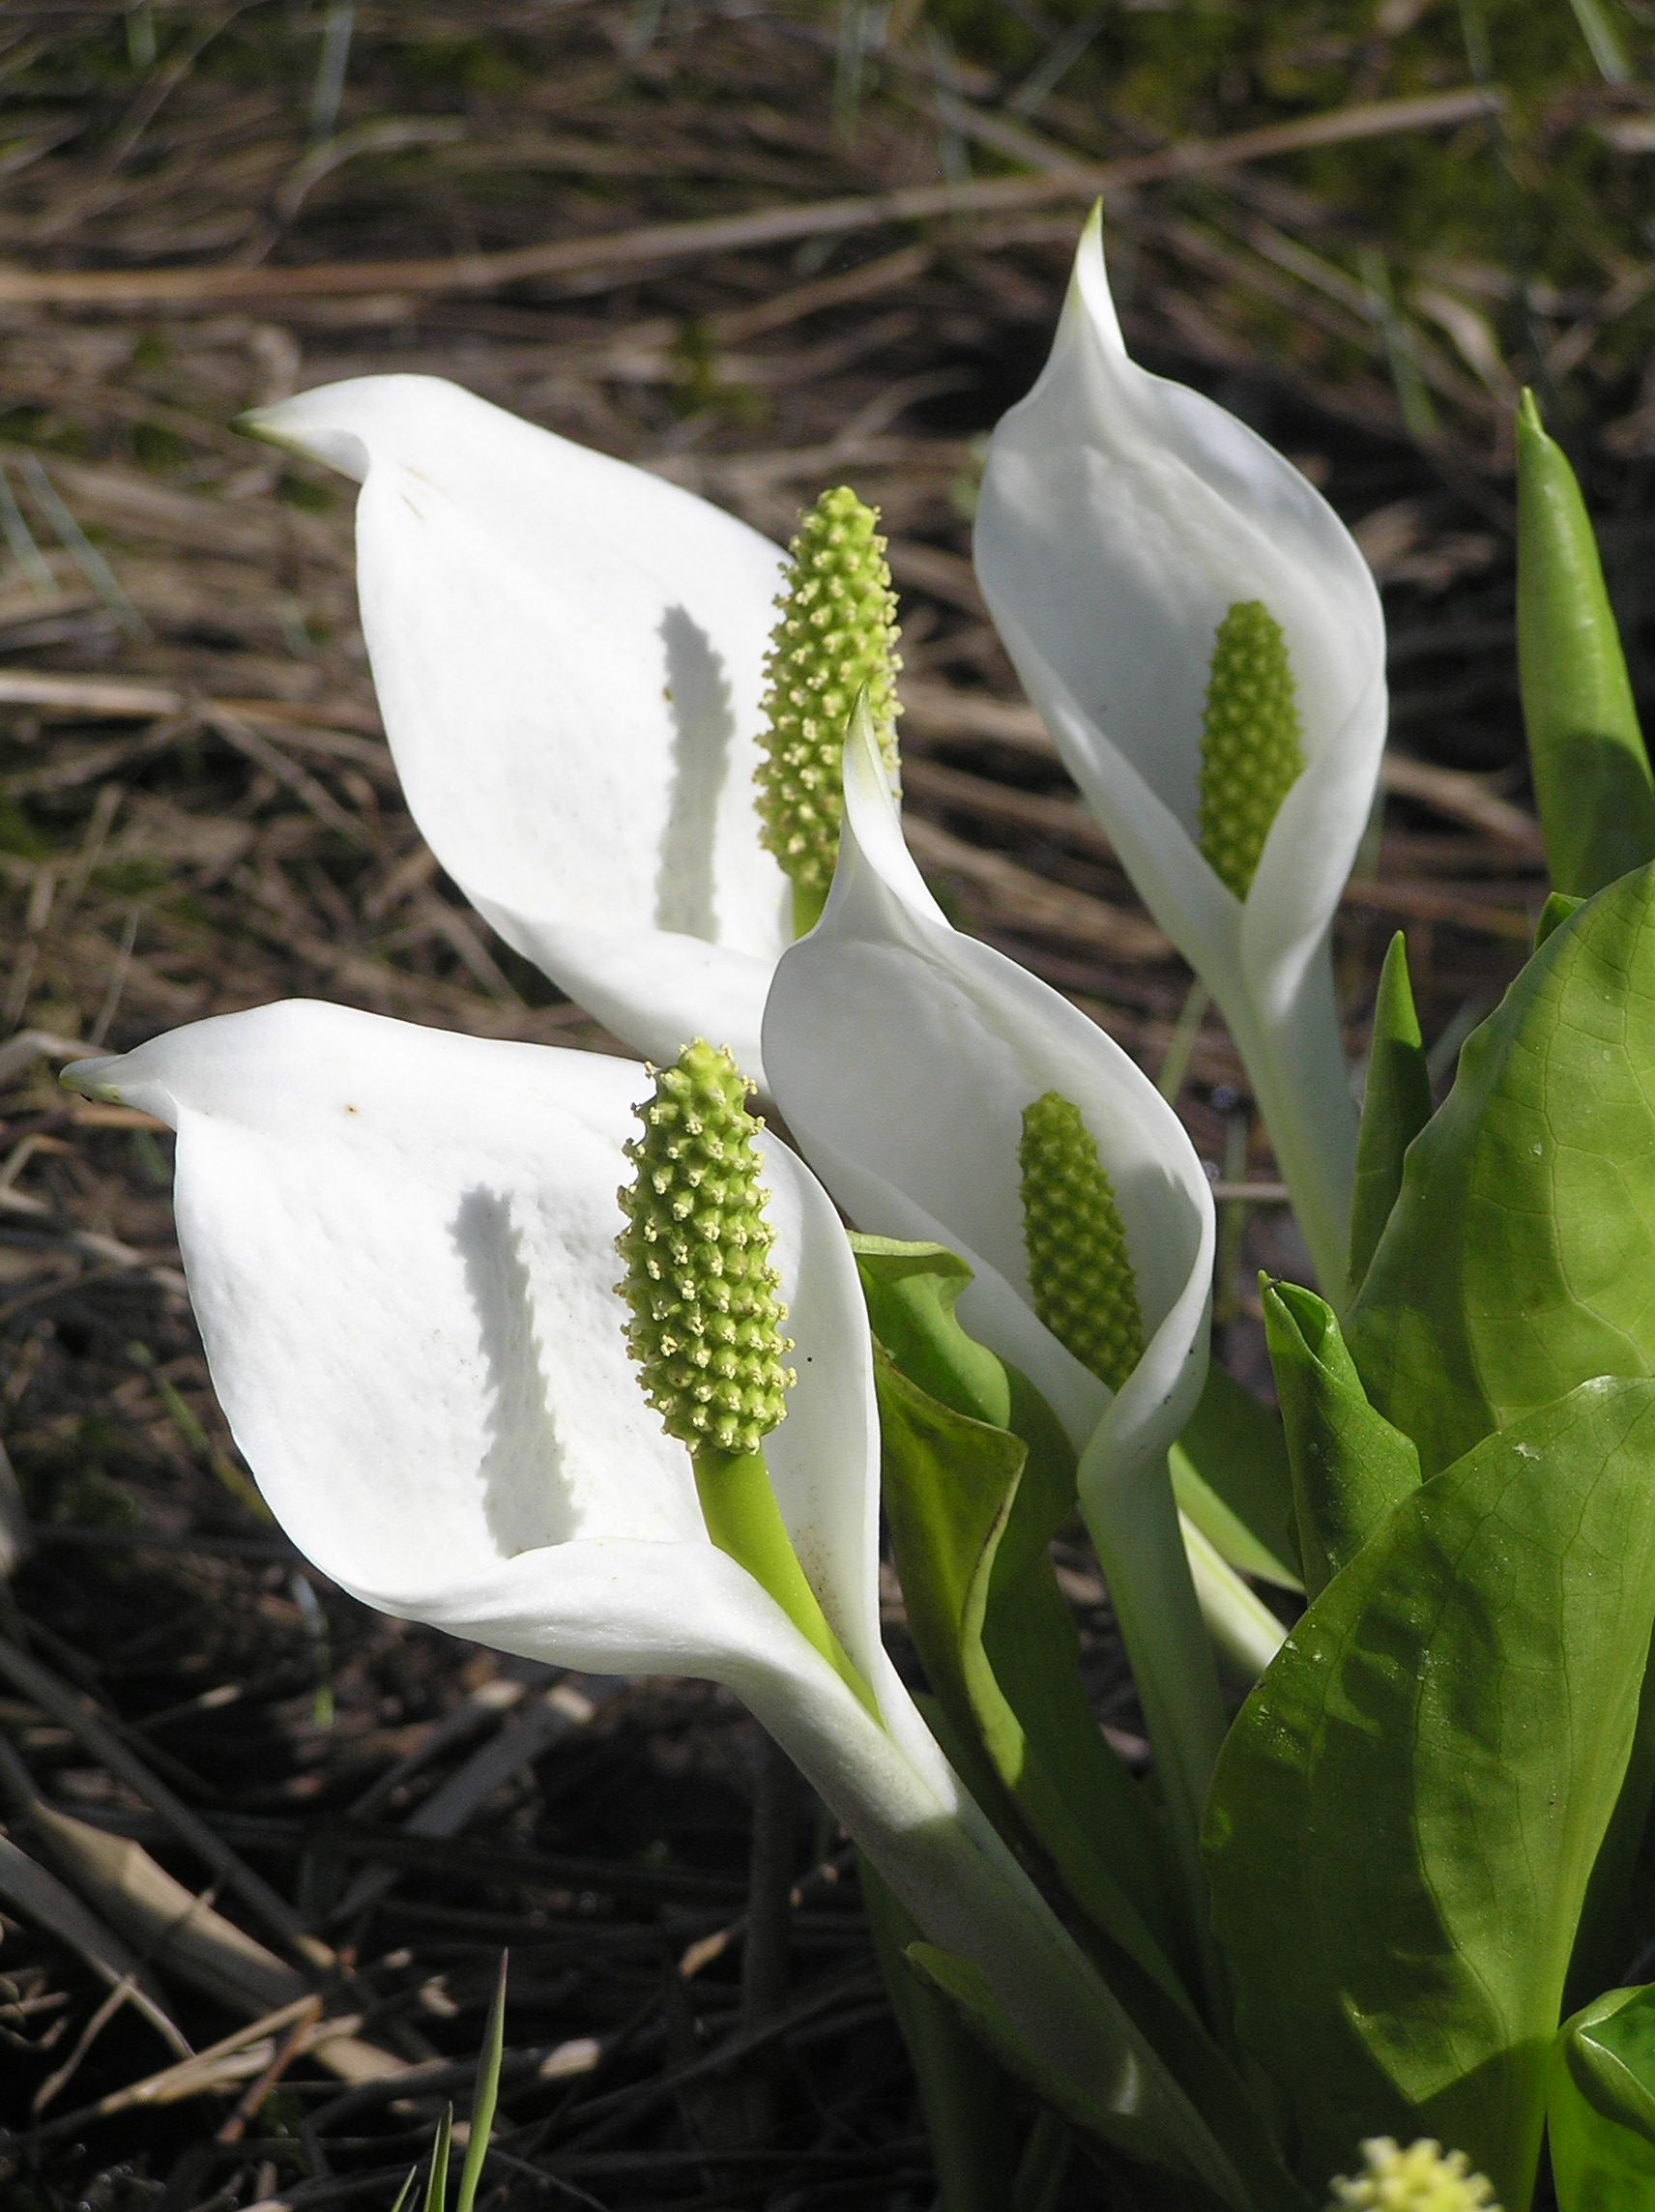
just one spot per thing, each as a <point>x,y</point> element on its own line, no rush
<point>487,2093</point>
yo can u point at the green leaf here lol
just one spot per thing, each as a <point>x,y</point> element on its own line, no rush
<point>1350,1467</point>
<point>1395,1107</point>
<point>1230,1478</point>
<point>950,1484</point>
<point>1600,2108</point>
<point>1520,1256</point>
<point>487,2094</point>
<point>1591,771</point>
<point>1406,1812</point>
<point>977,1477</point>
<point>911,1291</point>
<point>969,2113</point>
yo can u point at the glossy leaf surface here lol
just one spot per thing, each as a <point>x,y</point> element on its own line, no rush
<point>1406,1812</point>
<point>1601,2106</point>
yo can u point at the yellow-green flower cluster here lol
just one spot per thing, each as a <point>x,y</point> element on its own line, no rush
<point>1423,2179</point>
<point>707,1323</point>
<point>1080,1272</point>
<point>836,633</point>
<point>1250,753</point>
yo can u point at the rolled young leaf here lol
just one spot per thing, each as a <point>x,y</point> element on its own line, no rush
<point>1350,1467</point>
<point>1407,1810</point>
<point>1591,771</point>
<point>568,655</point>
<point>1518,1258</point>
<point>1123,522</point>
<point>1395,1107</point>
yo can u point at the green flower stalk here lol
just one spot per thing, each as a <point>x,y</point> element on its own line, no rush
<point>1423,2179</point>
<point>706,1327</point>
<point>837,633</point>
<point>1250,754</point>
<point>1080,1272</point>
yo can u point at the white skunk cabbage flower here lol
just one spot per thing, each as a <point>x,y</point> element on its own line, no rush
<point>569,653</point>
<point>978,1109</point>
<point>1204,642</point>
<point>401,1247</point>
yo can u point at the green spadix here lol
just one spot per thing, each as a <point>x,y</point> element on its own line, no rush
<point>1249,751</point>
<point>835,633</point>
<point>706,1326</point>
<point>1080,1272</point>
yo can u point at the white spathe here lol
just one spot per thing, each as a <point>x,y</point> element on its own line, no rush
<point>915,1132</point>
<point>1121,516</point>
<point>400,1247</point>
<point>569,653</point>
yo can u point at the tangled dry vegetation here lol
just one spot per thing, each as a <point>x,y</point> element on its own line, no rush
<point>263,1850</point>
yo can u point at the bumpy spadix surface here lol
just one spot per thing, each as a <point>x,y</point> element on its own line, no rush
<point>1423,2179</point>
<point>1080,1272</point>
<point>1249,751</point>
<point>837,633</point>
<point>705,1318</point>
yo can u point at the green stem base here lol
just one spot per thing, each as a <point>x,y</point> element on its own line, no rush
<point>744,1521</point>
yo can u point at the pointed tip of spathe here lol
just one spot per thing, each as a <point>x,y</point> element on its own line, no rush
<point>91,1078</point>
<point>314,425</point>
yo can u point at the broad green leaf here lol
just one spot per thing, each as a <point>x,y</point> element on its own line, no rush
<point>950,1486</point>
<point>1395,1107</point>
<point>1600,2108</point>
<point>1406,1812</point>
<point>1591,772</point>
<point>968,2110</point>
<point>1230,1475</point>
<point>1249,2181</point>
<point>1350,1467</point>
<point>1520,1259</point>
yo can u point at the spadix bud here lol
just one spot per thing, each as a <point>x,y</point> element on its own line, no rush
<point>1250,753</point>
<point>706,1326</point>
<point>1423,2179</point>
<point>836,633</point>
<point>1080,1272</point>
